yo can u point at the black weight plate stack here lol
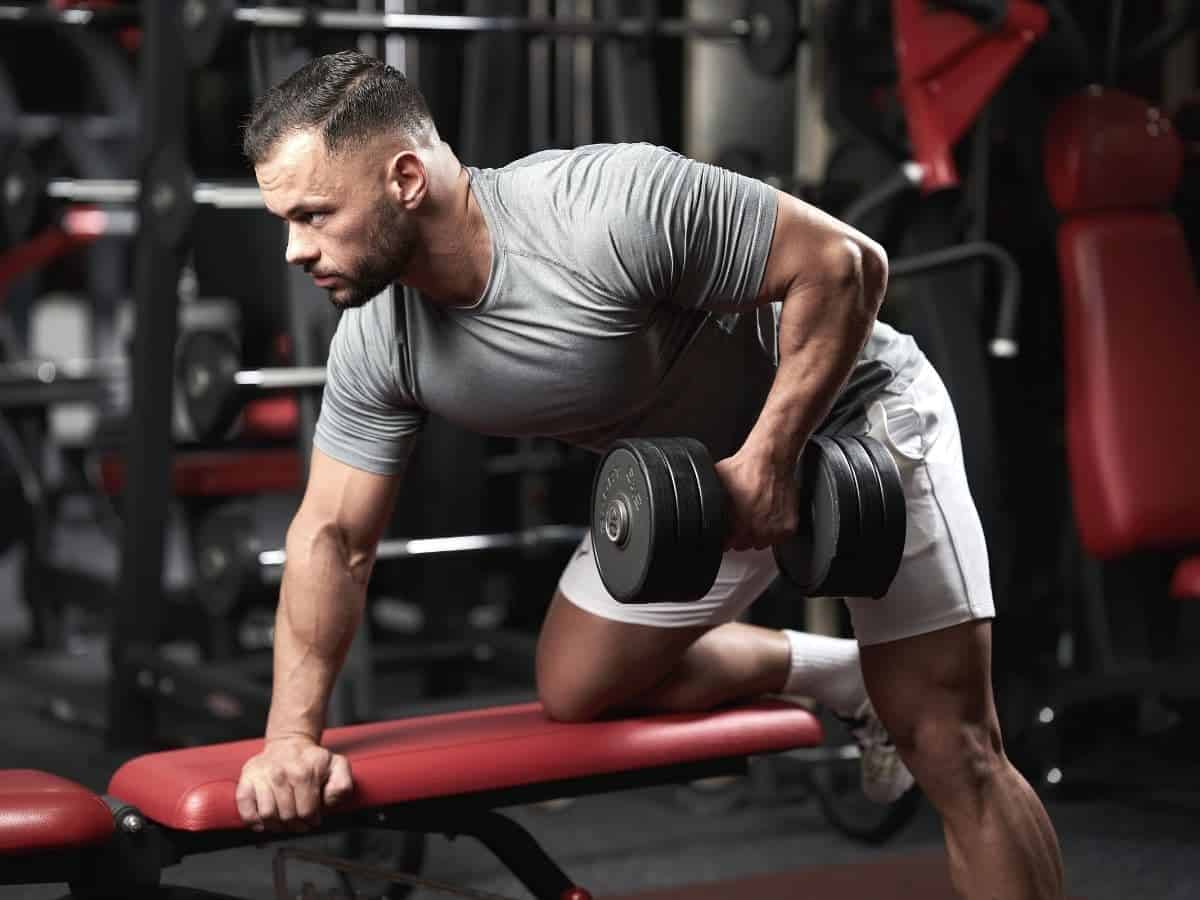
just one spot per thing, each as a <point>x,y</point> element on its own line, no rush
<point>712,500</point>
<point>634,522</point>
<point>889,550</point>
<point>697,562</point>
<point>805,559</point>
<point>847,575</point>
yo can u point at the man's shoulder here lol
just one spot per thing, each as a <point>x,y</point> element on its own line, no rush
<point>592,157</point>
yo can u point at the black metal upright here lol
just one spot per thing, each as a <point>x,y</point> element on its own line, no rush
<point>165,212</point>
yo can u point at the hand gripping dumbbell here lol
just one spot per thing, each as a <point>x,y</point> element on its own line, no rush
<point>659,519</point>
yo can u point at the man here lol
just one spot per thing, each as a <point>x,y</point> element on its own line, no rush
<point>597,293</point>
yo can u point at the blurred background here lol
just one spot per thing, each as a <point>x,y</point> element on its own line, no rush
<point>136,610</point>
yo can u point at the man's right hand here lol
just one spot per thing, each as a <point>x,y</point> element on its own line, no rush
<point>285,787</point>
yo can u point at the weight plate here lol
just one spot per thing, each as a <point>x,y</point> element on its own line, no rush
<point>19,190</point>
<point>849,525</point>
<point>770,48</point>
<point>169,203</point>
<point>207,364</point>
<point>204,23</point>
<point>889,551</point>
<point>224,552</point>
<point>849,575</point>
<point>667,582</point>
<point>713,511</point>
<point>633,521</point>
<point>689,581</point>
<point>805,559</point>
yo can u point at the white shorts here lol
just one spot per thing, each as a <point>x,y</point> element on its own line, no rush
<point>943,578</point>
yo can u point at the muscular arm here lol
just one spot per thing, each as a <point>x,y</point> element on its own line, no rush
<point>330,551</point>
<point>832,281</point>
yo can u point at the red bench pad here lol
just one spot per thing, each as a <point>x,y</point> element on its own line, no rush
<point>40,811</point>
<point>463,753</point>
<point>1185,584</point>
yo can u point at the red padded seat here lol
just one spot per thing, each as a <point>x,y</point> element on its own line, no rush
<point>462,753</point>
<point>40,811</point>
<point>1131,322</point>
<point>1185,584</point>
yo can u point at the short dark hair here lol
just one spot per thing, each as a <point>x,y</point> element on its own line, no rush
<point>347,97</point>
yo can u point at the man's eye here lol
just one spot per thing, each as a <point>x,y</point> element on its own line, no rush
<point>315,218</point>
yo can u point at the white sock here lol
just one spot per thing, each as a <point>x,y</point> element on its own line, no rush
<point>826,669</point>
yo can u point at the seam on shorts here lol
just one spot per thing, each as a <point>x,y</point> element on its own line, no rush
<point>933,492</point>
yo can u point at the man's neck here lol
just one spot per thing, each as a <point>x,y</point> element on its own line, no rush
<point>454,261</point>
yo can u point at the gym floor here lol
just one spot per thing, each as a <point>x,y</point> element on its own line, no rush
<point>764,837</point>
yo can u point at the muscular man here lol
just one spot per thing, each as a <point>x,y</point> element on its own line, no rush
<point>602,292</point>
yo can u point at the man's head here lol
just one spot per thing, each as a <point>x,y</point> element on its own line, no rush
<point>337,150</point>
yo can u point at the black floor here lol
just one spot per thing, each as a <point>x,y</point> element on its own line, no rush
<point>1117,843</point>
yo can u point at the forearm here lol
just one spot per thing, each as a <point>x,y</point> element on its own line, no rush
<point>823,326</point>
<point>320,607</point>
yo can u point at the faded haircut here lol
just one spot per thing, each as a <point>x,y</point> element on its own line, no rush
<point>347,97</point>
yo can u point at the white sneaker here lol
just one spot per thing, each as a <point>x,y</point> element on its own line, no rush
<point>885,777</point>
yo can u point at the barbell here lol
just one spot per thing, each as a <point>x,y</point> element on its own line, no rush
<point>659,519</point>
<point>231,561</point>
<point>768,30</point>
<point>214,386</point>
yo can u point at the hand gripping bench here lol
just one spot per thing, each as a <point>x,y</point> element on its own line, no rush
<point>447,773</point>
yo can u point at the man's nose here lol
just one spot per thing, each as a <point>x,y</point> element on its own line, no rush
<point>300,250</point>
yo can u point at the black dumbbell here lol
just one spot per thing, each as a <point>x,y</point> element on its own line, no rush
<point>659,522</point>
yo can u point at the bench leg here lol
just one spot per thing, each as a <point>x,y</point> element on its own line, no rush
<point>520,852</point>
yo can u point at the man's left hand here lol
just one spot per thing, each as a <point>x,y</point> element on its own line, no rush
<point>762,502</point>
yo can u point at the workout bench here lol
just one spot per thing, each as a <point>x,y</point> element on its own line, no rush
<point>446,773</point>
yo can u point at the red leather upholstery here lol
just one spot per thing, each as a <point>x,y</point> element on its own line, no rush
<point>462,753</point>
<point>1132,327</point>
<point>39,811</point>
<point>1110,150</point>
<point>1185,584</point>
<point>1131,320</point>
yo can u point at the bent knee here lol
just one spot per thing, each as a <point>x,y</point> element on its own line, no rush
<point>963,755</point>
<point>567,703</point>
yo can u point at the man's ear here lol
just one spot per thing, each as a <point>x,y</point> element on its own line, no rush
<point>408,179</point>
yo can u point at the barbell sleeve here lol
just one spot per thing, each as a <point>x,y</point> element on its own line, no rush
<point>281,379</point>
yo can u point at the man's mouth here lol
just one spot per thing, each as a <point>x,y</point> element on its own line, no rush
<point>324,281</point>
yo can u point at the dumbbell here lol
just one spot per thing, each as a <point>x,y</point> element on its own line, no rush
<point>659,519</point>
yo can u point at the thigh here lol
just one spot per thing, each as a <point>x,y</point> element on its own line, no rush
<point>943,579</point>
<point>596,655</point>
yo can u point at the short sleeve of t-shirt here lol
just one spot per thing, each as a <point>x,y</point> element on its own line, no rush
<point>368,419</point>
<point>687,232</point>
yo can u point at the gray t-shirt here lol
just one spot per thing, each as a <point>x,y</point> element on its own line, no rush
<point>596,322</point>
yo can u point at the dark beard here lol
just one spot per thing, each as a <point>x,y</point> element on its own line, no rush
<point>391,241</point>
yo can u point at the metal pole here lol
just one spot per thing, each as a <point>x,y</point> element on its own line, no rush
<point>159,256</point>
